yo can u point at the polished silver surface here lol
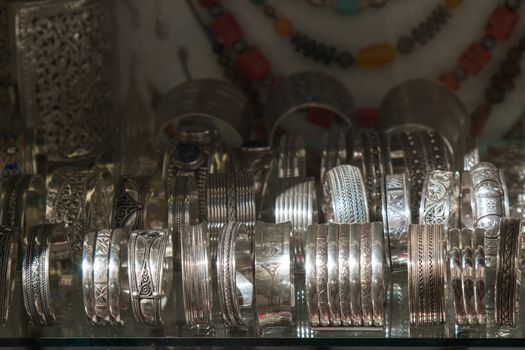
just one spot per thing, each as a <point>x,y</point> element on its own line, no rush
<point>150,263</point>
<point>344,196</point>
<point>274,277</point>
<point>311,275</point>
<point>335,152</point>
<point>378,274</point>
<point>8,262</point>
<point>332,264</point>
<point>296,202</point>
<point>102,278</point>
<point>291,157</point>
<point>128,202</point>
<point>196,276</point>
<point>440,199</point>
<point>396,218</point>
<point>46,273</point>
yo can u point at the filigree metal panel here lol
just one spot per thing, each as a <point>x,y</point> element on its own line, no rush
<point>64,72</point>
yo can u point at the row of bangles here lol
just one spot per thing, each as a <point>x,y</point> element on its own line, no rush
<point>239,233</point>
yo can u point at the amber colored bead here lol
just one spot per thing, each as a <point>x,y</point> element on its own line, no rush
<point>452,4</point>
<point>448,78</point>
<point>283,26</point>
<point>376,55</point>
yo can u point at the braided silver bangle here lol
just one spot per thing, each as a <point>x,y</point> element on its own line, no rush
<point>296,202</point>
<point>334,152</point>
<point>196,276</point>
<point>102,277</point>
<point>344,196</point>
<point>440,199</point>
<point>508,273</point>
<point>150,262</point>
<point>229,198</point>
<point>8,258</point>
<point>235,275</point>
<point>183,210</point>
<point>426,275</point>
<point>291,157</point>
<point>274,284</point>
<point>46,273</point>
<point>396,218</point>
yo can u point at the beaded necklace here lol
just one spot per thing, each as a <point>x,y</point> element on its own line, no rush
<point>348,7</point>
<point>370,57</point>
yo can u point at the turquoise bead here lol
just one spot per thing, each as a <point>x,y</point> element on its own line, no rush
<point>347,7</point>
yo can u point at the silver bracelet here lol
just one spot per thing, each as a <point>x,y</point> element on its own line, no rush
<point>235,275</point>
<point>468,274</point>
<point>183,210</point>
<point>344,196</point>
<point>296,202</point>
<point>371,155</point>
<point>274,284</point>
<point>440,199</point>
<point>8,261</point>
<point>378,274</point>
<point>128,202</point>
<point>488,205</point>
<point>439,155</point>
<point>46,273</point>
<point>365,265</point>
<point>354,275</point>
<point>508,273</point>
<point>396,218</point>
<point>426,275</point>
<point>310,277</point>
<point>308,89</point>
<point>217,103</point>
<point>196,276</point>
<point>150,263</point>
<point>334,303</point>
<point>291,157</point>
<point>229,198</point>
<point>334,152</point>
<point>456,274</point>
<point>344,275</point>
<point>478,244</point>
<point>102,277</point>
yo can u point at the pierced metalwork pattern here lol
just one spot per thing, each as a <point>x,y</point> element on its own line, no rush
<point>64,56</point>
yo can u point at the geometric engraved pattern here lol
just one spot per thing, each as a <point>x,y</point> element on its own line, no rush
<point>64,56</point>
<point>124,205</point>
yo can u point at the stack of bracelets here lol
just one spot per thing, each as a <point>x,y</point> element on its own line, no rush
<point>245,234</point>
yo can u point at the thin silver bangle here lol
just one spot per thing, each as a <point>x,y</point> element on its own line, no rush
<point>274,284</point>
<point>296,202</point>
<point>46,273</point>
<point>334,152</point>
<point>196,276</point>
<point>354,275</point>
<point>378,274</point>
<point>8,261</point>
<point>150,261</point>
<point>334,303</point>
<point>311,275</point>
<point>365,266</point>
<point>291,157</point>
<point>344,196</point>
<point>344,275</point>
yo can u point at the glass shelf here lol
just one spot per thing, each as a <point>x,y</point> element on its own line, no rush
<point>73,329</point>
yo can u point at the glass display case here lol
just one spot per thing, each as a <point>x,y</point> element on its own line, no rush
<point>261,173</point>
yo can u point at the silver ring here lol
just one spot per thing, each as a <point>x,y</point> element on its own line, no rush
<point>196,275</point>
<point>46,273</point>
<point>291,157</point>
<point>150,263</point>
<point>296,202</point>
<point>334,152</point>
<point>344,196</point>
<point>235,275</point>
<point>274,284</point>
<point>396,218</point>
<point>308,89</point>
<point>102,277</point>
<point>183,210</point>
<point>440,199</point>
<point>508,273</point>
<point>8,261</point>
